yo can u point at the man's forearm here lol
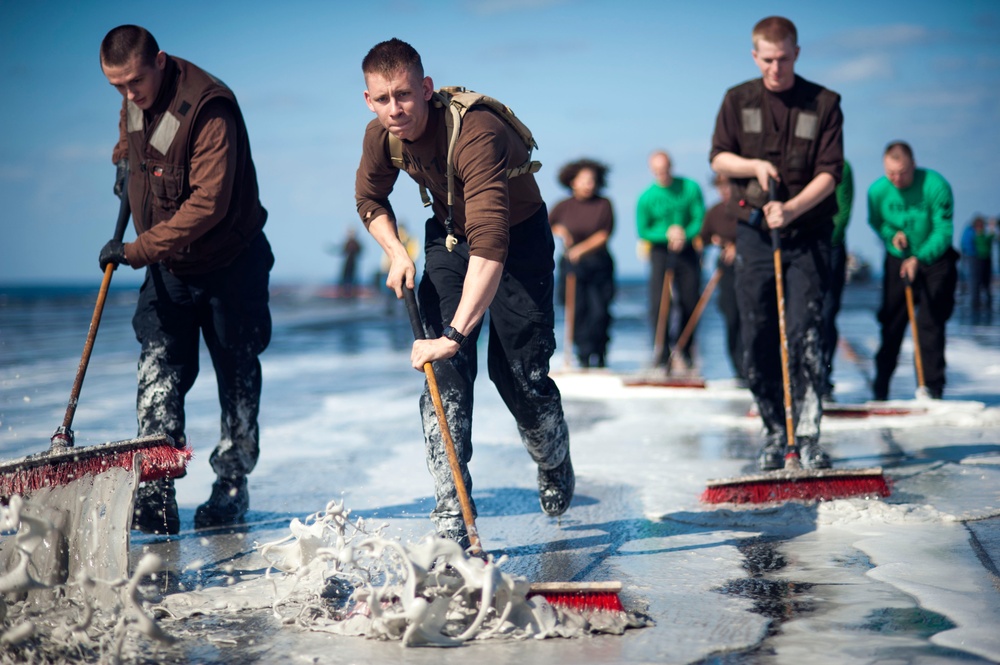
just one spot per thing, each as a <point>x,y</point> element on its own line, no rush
<point>812,194</point>
<point>731,165</point>
<point>481,282</point>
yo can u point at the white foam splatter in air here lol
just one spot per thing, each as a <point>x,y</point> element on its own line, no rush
<point>61,597</point>
<point>334,576</point>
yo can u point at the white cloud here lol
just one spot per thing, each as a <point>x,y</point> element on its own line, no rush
<point>882,37</point>
<point>872,67</point>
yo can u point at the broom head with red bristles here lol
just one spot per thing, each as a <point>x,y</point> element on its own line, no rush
<point>160,458</point>
<point>798,484</point>
<point>580,596</point>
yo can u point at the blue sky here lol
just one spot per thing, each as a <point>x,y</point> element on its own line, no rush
<point>612,81</point>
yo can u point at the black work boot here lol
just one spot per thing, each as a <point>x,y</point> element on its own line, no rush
<point>812,454</point>
<point>555,487</point>
<point>227,505</point>
<point>155,508</point>
<point>772,454</point>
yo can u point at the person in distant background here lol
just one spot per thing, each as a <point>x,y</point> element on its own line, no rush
<point>911,210</point>
<point>669,216</point>
<point>719,229</point>
<point>199,234</point>
<point>585,222</point>
<point>981,266</point>
<point>351,250</point>
<point>838,275</point>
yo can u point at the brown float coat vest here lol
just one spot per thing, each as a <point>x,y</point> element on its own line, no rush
<point>794,154</point>
<point>159,162</point>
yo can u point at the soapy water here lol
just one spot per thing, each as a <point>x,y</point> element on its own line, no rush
<point>330,574</point>
<point>64,590</point>
<point>347,580</point>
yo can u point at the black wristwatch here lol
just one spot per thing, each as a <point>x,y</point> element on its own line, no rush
<point>454,336</point>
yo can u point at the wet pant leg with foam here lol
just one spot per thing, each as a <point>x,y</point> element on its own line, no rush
<point>805,271</point>
<point>521,343</point>
<point>229,308</point>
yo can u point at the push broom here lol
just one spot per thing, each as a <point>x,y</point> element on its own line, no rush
<point>793,482</point>
<point>63,463</point>
<point>918,362</point>
<point>576,596</point>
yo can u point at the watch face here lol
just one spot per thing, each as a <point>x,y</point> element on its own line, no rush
<point>454,335</point>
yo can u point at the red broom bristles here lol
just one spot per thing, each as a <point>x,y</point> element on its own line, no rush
<point>807,489</point>
<point>600,601</point>
<point>61,467</point>
<point>582,596</point>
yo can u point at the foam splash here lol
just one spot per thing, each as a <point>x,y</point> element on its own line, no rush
<point>348,581</point>
<point>65,593</point>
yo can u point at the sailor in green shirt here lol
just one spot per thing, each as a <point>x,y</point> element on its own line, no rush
<point>669,217</point>
<point>838,275</point>
<point>911,209</point>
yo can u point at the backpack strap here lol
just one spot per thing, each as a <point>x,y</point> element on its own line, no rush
<point>458,101</point>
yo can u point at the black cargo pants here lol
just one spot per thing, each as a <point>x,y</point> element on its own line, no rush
<point>521,343</point>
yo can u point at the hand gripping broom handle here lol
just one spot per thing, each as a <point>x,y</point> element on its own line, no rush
<point>917,359</point>
<point>63,437</point>
<point>449,443</point>
<point>791,454</point>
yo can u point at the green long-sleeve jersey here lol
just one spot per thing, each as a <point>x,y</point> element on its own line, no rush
<point>923,212</point>
<point>660,207</point>
<point>845,199</point>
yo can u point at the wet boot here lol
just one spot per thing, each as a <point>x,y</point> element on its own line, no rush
<point>228,504</point>
<point>772,454</point>
<point>555,487</point>
<point>453,529</point>
<point>812,454</point>
<point>155,508</point>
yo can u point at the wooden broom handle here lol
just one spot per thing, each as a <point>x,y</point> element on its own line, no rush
<point>663,317</point>
<point>696,314</point>
<point>64,435</point>
<point>449,443</point>
<point>570,312</point>
<point>917,359</point>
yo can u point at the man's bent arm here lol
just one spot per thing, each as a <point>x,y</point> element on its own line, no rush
<point>401,268</point>
<point>732,165</point>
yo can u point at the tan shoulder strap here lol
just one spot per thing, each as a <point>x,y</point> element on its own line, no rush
<point>458,101</point>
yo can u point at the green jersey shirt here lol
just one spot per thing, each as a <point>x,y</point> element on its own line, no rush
<point>660,208</point>
<point>923,212</point>
<point>845,199</point>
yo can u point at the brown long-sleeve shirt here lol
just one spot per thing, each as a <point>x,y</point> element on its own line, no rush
<point>487,203</point>
<point>212,174</point>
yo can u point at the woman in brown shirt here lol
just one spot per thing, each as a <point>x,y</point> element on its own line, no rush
<point>584,222</point>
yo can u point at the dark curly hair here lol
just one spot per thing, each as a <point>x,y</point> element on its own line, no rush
<point>570,171</point>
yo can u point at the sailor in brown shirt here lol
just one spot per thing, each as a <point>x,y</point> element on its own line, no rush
<point>784,127</point>
<point>192,186</point>
<point>503,262</point>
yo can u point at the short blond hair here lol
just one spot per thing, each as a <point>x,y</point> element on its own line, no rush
<point>774,29</point>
